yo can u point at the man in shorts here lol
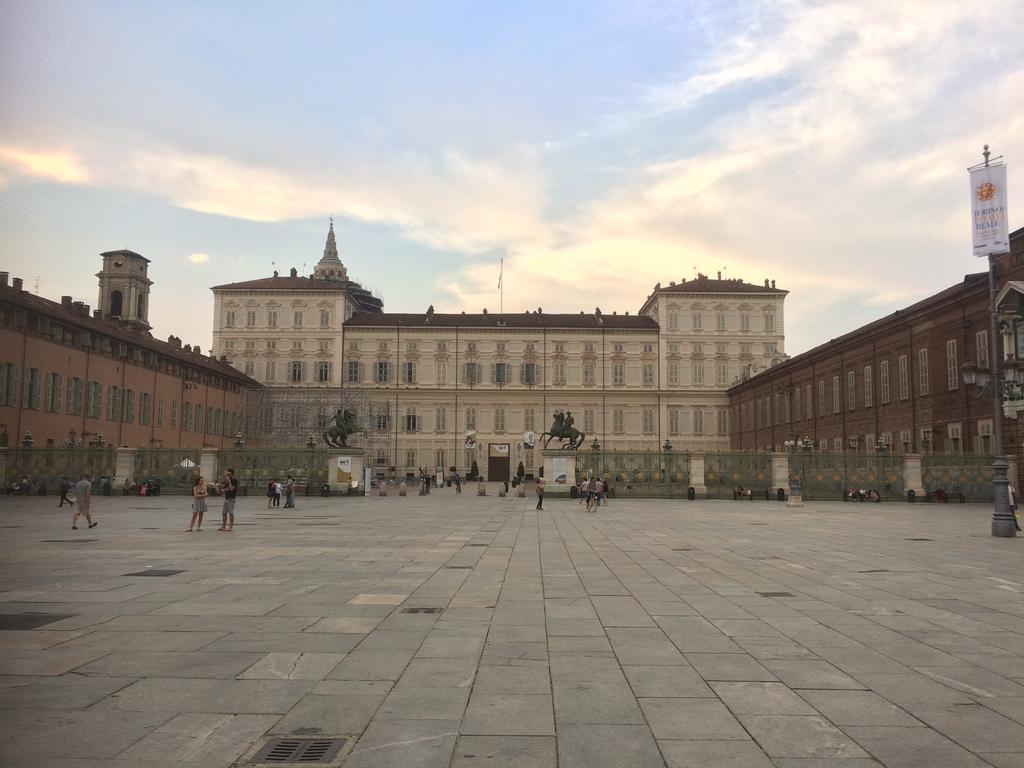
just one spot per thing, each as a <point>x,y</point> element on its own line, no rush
<point>227,515</point>
<point>83,492</point>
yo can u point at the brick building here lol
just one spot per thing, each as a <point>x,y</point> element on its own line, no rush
<point>68,377</point>
<point>892,385</point>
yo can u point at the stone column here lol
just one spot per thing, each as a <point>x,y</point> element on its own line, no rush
<point>780,472</point>
<point>124,464</point>
<point>208,464</point>
<point>697,475</point>
<point>912,474</point>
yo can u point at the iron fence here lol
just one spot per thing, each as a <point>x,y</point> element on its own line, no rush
<point>726,473</point>
<point>176,469</point>
<point>645,474</point>
<point>827,476</point>
<point>957,478</point>
<point>39,470</point>
<point>255,468</point>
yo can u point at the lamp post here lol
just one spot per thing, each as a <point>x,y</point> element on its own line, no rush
<point>796,498</point>
<point>239,440</point>
<point>72,438</point>
<point>27,440</point>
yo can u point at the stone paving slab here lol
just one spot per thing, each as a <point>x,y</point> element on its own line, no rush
<point>460,631</point>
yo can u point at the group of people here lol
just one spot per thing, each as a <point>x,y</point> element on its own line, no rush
<point>228,487</point>
<point>275,489</point>
<point>592,493</point>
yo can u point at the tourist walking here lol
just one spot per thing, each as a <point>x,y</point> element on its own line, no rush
<point>458,482</point>
<point>83,493</point>
<point>540,493</point>
<point>227,513</point>
<point>65,487</point>
<point>198,504</point>
<point>597,491</point>
<point>289,493</point>
<point>585,491</point>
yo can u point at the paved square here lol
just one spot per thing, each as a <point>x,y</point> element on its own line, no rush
<point>464,631</point>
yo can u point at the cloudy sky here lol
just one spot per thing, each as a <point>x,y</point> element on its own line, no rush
<point>599,147</point>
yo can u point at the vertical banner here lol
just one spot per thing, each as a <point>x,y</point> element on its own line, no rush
<point>989,220</point>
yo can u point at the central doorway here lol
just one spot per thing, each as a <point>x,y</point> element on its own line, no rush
<point>498,462</point>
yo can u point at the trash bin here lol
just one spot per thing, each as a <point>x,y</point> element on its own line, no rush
<point>911,495</point>
<point>574,492</point>
<point>325,490</point>
<point>106,488</point>
<point>506,486</point>
<point>780,494</point>
<point>691,493</point>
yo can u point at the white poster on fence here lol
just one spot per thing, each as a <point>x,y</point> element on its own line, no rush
<point>558,469</point>
<point>989,222</point>
<point>345,464</point>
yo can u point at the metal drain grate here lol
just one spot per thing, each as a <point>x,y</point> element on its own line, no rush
<point>775,594</point>
<point>682,549</point>
<point>919,539</point>
<point>875,570</point>
<point>421,609</point>
<point>26,621</point>
<point>299,751</point>
<point>152,572</point>
<point>476,545</point>
<point>459,567</point>
<point>66,541</point>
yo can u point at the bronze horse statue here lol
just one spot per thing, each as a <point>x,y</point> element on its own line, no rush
<point>562,429</point>
<point>341,425</point>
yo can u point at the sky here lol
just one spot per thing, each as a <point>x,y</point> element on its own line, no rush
<point>596,148</point>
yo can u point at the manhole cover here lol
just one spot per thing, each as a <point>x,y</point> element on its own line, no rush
<point>919,539</point>
<point>775,594</point>
<point>152,572</point>
<point>299,751</point>
<point>25,621</point>
<point>421,609</point>
<point>875,570</point>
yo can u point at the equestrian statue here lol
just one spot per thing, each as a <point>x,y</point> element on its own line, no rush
<point>562,429</point>
<point>341,425</point>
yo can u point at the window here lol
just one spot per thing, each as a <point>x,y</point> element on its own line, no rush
<point>442,346</point>
<point>673,321</point>
<point>647,349</point>
<point>588,348</point>
<point>229,344</point>
<point>382,418</point>
<point>323,371</point>
<point>144,401</point>
<point>412,346</point>
<point>952,371</point>
<point>720,321</point>
<point>923,385</point>
<point>200,416</point>
<point>410,458</point>
<point>8,384</point>
<point>382,372</point>
<point>321,417</point>
<point>271,345</point>
<point>501,376</point>
<point>272,318</point>
<point>174,414</point>
<point>382,346</point>
<point>470,418</point>
<point>325,318</point>
<point>440,420</point>
<point>352,371</point>
<point>588,373</point>
<point>869,382</point>
<point>721,374</point>
<point>559,347</point>
<point>94,399</point>
<point>588,420</point>
<point>955,440</point>
<point>673,348</point>
<point>500,347</point>
<point>558,376</point>
<point>851,390</point>
<point>744,321</point>
<point>770,348</point>
<point>821,398</point>
<point>471,373</point>
<point>381,459</point>
<point>250,368</point>
<point>904,377</point>
<point>529,373</point>
<point>769,322</point>
<point>745,349</point>
<point>408,373</point>
<point>835,394</point>
<point>250,318</point>
<point>981,342</point>
<point>250,345</point>
<point>410,420</point>
<point>499,419</point>
<point>698,372</point>
<point>324,345</point>
<point>113,403</point>
<point>186,417</point>
<point>698,321</point>
<point>159,412</point>
<point>883,381</point>
<point>618,374</point>
<point>619,348</point>
<point>128,406</point>
<point>698,420</point>
<point>808,403</point>
<point>648,375</point>
<point>673,420</point>
<point>297,344</point>
<point>796,404</point>
<point>985,437</point>
<point>297,319</point>
<point>74,405</point>
<point>471,346</point>
<point>529,419</point>
<point>30,395</point>
<point>530,348</point>
<point>229,319</point>
<point>698,349</point>
<point>270,370</point>
<point>53,387</point>
<point>673,374</point>
<point>618,420</point>
<point>296,370</point>
<point>722,417</point>
<point>439,458</point>
<point>647,420</point>
<point>441,372</point>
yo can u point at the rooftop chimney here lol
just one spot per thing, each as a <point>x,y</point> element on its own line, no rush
<point>17,283</point>
<point>773,283</point>
<point>766,282</point>
<point>65,301</point>
<point>3,279</point>
<point>719,274</point>
<point>97,314</point>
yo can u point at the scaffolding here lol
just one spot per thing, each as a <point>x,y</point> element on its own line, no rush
<point>292,417</point>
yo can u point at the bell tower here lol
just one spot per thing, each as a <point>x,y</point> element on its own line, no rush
<point>124,288</point>
<point>330,266</point>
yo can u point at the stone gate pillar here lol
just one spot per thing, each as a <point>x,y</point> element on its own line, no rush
<point>912,474</point>
<point>697,475</point>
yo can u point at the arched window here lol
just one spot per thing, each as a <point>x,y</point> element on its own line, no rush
<point>116,300</point>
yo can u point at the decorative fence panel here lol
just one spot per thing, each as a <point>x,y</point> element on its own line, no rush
<point>724,473</point>
<point>646,474</point>
<point>255,468</point>
<point>956,477</point>
<point>828,476</point>
<point>175,468</point>
<point>40,469</point>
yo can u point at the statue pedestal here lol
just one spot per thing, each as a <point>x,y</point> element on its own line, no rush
<point>345,470</point>
<point>559,473</point>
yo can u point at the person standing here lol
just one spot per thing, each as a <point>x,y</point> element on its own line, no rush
<point>83,492</point>
<point>596,492</point>
<point>277,493</point>
<point>585,491</point>
<point>65,486</point>
<point>198,504</point>
<point>289,493</point>
<point>270,493</point>
<point>227,514</point>
<point>458,482</point>
<point>540,493</point>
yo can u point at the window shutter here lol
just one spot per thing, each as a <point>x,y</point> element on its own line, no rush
<point>24,392</point>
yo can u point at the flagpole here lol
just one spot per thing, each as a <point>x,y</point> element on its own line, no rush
<point>501,287</point>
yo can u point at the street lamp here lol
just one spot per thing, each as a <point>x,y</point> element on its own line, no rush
<point>595,446</point>
<point>72,438</point>
<point>239,440</point>
<point>26,441</point>
<point>311,441</point>
<point>667,447</point>
<point>796,498</point>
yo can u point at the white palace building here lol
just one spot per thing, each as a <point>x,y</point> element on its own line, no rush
<point>439,390</point>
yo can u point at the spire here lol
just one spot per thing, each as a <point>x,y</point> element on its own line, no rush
<point>330,266</point>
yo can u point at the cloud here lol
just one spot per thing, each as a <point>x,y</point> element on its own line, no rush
<point>198,258</point>
<point>55,165</point>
